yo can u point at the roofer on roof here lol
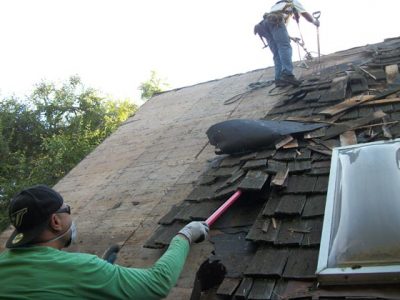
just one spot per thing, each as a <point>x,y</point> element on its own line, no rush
<point>34,267</point>
<point>273,29</point>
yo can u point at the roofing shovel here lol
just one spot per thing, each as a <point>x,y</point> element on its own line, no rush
<point>316,16</point>
<point>228,203</point>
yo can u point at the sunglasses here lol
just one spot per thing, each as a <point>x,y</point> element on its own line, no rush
<point>65,209</point>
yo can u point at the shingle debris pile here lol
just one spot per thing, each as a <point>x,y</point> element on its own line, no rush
<point>269,240</point>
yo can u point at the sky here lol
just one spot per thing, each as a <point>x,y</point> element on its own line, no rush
<point>114,44</point>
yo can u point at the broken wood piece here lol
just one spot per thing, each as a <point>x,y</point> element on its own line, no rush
<point>312,119</point>
<point>339,128</point>
<point>382,101</point>
<point>385,128</point>
<point>366,72</point>
<point>348,138</point>
<point>392,71</point>
<point>280,177</point>
<point>320,150</point>
<point>283,142</point>
<point>378,124</point>
<point>292,144</point>
<point>315,134</point>
<point>265,226</point>
<point>328,144</point>
<point>346,105</point>
<point>334,119</point>
<point>274,223</point>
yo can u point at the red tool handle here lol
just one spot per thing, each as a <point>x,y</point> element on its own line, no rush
<point>214,217</point>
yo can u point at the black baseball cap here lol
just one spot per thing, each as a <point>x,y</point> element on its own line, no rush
<point>29,213</point>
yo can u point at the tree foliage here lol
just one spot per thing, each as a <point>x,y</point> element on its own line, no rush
<point>152,86</point>
<point>44,136</point>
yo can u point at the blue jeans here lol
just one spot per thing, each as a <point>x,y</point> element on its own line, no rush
<point>279,43</point>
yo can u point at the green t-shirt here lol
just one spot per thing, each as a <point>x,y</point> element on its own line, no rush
<point>48,273</point>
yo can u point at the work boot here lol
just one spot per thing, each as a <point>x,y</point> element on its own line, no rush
<point>280,83</point>
<point>290,79</point>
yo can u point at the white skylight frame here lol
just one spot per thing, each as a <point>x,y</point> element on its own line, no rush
<point>346,275</point>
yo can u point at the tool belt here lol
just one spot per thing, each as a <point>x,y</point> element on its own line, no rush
<point>274,18</point>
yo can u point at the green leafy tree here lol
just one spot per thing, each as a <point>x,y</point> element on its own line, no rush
<point>152,86</point>
<point>43,137</point>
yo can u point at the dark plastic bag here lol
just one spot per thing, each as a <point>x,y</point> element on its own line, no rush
<point>242,135</point>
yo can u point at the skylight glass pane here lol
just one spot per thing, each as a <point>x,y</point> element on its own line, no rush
<point>366,213</point>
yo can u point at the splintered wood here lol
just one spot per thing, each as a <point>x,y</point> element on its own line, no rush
<point>348,138</point>
<point>347,104</point>
<point>280,177</point>
<point>284,142</point>
<point>392,71</point>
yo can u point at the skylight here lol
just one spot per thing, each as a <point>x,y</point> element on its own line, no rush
<point>361,231</point>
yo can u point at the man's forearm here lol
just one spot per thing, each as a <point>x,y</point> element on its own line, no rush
<point>170,265</point>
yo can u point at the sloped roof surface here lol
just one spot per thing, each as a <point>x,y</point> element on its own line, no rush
<point>269,240</point>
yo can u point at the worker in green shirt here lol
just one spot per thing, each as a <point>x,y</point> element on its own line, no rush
<point>34,267</point>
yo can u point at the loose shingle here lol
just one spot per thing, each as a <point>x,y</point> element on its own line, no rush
<point>302,264</point>
<point>321,150</point>
<point>299,166</point>
<point>268,261</point>
<point>231,180</point>
<point>322,184</point>
<point>358,83</point>
<point>350,115</point>
<point>315,133</point>
<point>254,180</point>
<point>365,111</point>
<point>244,288</point>
<point>291,205</point>
<point>285,154</point>
<point>271,205</point>
<point>224,172</point>
<point>228,287</point>
<point>265,154</point>
<point>280,178</point>
<point>301,184</point>
<point>230,161</point>
<point>254,164</point>
<point>291,232</point>
<point>321,164</point>
<point>201,192</point>
<point>262,289</point>
<point>303,154</point>
<point>337,90</point>
<point>312,96</point>
<point>248,156</point>
<point>207,180</point>
<point>313,238</point>
<point>337,129</point>
<point>315,206</point>
<point>319,171</point>
<point>264,230</point>
<point>274,166</point>
<point>227,191</point>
